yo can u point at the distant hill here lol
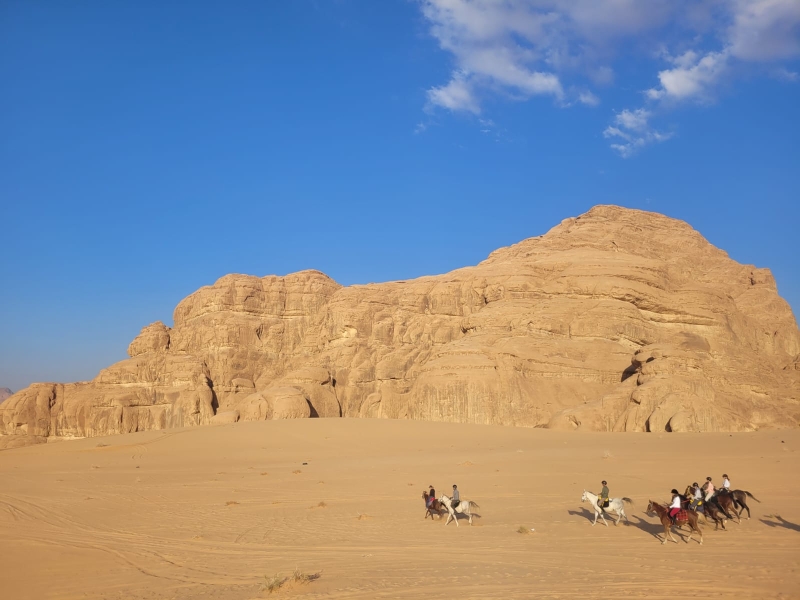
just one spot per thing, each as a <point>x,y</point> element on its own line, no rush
<point>616,320</point>
<point>5,393</point>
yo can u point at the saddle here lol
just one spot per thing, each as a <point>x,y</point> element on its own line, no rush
<point>682,515</point>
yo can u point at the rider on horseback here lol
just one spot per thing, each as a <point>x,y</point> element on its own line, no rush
<point>431,496</point>
<point>456,497</point>
<point>708,488</point>
<point>726,483</point>
<point>675,507</point>
<point>698,497</point>
<point>602,499</point>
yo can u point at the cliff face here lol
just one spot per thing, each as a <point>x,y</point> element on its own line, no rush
<point>617,320</point>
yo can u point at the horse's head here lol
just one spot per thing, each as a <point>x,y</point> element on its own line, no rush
<point>424,495</point>
<point>584,498</point>
<point>650,507</point>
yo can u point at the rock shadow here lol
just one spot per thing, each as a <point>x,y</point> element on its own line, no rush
<point>631,370</point>
<point>781,522</point>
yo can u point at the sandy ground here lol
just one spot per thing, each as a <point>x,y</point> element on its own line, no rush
<point>209,512</point>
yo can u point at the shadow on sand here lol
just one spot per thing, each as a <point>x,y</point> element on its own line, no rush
<point>780,522</point>
<point>583,512</point>
<point>654,529</point>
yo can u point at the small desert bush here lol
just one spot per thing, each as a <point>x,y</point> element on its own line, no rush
<point>272,584</point>
<point>607,454</point>
<point>523,529</point>
<point>276,582</point>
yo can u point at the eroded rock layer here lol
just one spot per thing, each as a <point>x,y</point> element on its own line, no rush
<point>617,320</point>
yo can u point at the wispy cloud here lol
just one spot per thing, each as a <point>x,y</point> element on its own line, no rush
<point>565,51</point>
<point>631,132</point>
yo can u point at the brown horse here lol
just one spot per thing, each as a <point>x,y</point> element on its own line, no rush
<point>716,515</point>
<point>740,500</point>
<point>688,516</point>
<point>725,503</point>
<point>707,510</point>
<point>432,506</point>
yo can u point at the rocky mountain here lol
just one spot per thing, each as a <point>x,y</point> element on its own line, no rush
<point>4,393</point>
<point>617,320</point>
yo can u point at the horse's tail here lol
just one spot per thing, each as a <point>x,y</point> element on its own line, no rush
<point>749,495</point>
<point>473,503</point>
<point>628,500</point>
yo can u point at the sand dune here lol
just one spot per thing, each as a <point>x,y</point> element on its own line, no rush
<point>209,512</point>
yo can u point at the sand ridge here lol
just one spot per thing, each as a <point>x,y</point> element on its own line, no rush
<point>209,512</point>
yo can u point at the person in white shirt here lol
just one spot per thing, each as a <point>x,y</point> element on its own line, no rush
<point>726,483</point>
<point>675,507</point>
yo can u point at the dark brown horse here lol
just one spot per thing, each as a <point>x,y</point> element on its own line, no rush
<point>711,511</point>
<point>432,505</point>
<point>716,515</point>
<point>725,503</point>
<point>740,500</point>
<point>685,516</point>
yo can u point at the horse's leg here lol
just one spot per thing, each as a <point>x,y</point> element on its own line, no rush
<point>697,529</point>
<point>595,518</point>
<point>620,512</point>
<point>669,527</point>
<point>602,516</point>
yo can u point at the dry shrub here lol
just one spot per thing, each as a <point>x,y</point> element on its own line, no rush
<point>297,471</point>
<point>231,502</point>
<point>298,577</point>
<point>523,529</point>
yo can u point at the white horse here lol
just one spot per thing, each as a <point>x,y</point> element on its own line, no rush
<point>464,507</point>
<point>615,504</point>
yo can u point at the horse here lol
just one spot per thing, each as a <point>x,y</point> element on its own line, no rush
<point>432,505</point>
<point>615,504</point>
<point>685,516</point>
<point>725,503</point>
<point>740,500</point>
<point>707,510</point>
<point>716,515</point>
<point>464,507</point>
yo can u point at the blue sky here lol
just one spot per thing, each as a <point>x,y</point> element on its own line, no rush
<point>148,148</point>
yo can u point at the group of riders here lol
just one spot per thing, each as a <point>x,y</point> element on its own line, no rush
<point>693,498</point>
<point>430,499</point>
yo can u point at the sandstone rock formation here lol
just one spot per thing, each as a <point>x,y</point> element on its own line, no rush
<point>617,320</point>
<point>5,393</point>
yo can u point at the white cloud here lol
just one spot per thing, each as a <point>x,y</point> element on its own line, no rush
<point>519,49</point>
<point>456,95</point>
<point>588,98</point>
<point>693,77</point>
<point>632,131</point>
<point>765,30</point>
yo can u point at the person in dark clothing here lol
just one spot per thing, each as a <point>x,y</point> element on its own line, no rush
<point>431,496</point>
<point>456,496</point>
<point>601,501</point>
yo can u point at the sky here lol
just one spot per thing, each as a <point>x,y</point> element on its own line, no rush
<point>148,148</point>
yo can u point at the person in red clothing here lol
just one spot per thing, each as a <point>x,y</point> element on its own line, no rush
<point>675,507</point>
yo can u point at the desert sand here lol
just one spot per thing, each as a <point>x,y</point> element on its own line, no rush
<point>208,512</point>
